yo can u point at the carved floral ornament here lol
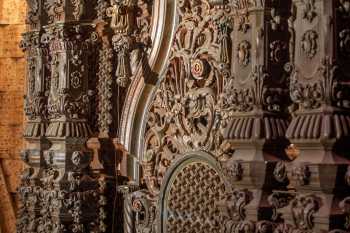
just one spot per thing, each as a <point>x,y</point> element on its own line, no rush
<point>310,10</point>
<point>185,114</point>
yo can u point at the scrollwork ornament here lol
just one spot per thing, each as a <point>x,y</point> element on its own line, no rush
<point>279,200</point>
<point>278,51</point>
<point>345,207</point>
<point>344,43</point>
<point>347,176</point>
<point>243,22</point>
<point>236,202</point>
<point>280,172</point>
<point>265,227</point>
<point>55,10</point>
<point>184,115</point>
<point>303,209</point>
<point>145,211</point>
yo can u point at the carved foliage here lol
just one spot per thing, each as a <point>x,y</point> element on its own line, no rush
<point>185,112</point>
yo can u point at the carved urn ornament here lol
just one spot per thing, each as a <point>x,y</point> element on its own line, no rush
<point>162,116</point>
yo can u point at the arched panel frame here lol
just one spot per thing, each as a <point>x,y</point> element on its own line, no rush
<point>142,89</point>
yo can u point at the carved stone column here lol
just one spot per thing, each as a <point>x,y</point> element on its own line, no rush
<point>37,83</point>
<point>124,37</point>
<point>70,192</point>
<point>254,115</point>
<point>319,89</point>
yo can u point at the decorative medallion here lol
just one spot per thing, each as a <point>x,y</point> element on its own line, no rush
<point>75,81</point>
<point>309,43</point>
<point>199,68</point>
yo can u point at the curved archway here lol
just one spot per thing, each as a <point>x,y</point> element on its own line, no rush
<point>142,88</point>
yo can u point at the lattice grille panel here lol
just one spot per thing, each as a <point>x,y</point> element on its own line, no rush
<point>191,200</point>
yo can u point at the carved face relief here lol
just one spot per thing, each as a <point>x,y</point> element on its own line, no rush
<point>309,43</point>
<point>243,53</point>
